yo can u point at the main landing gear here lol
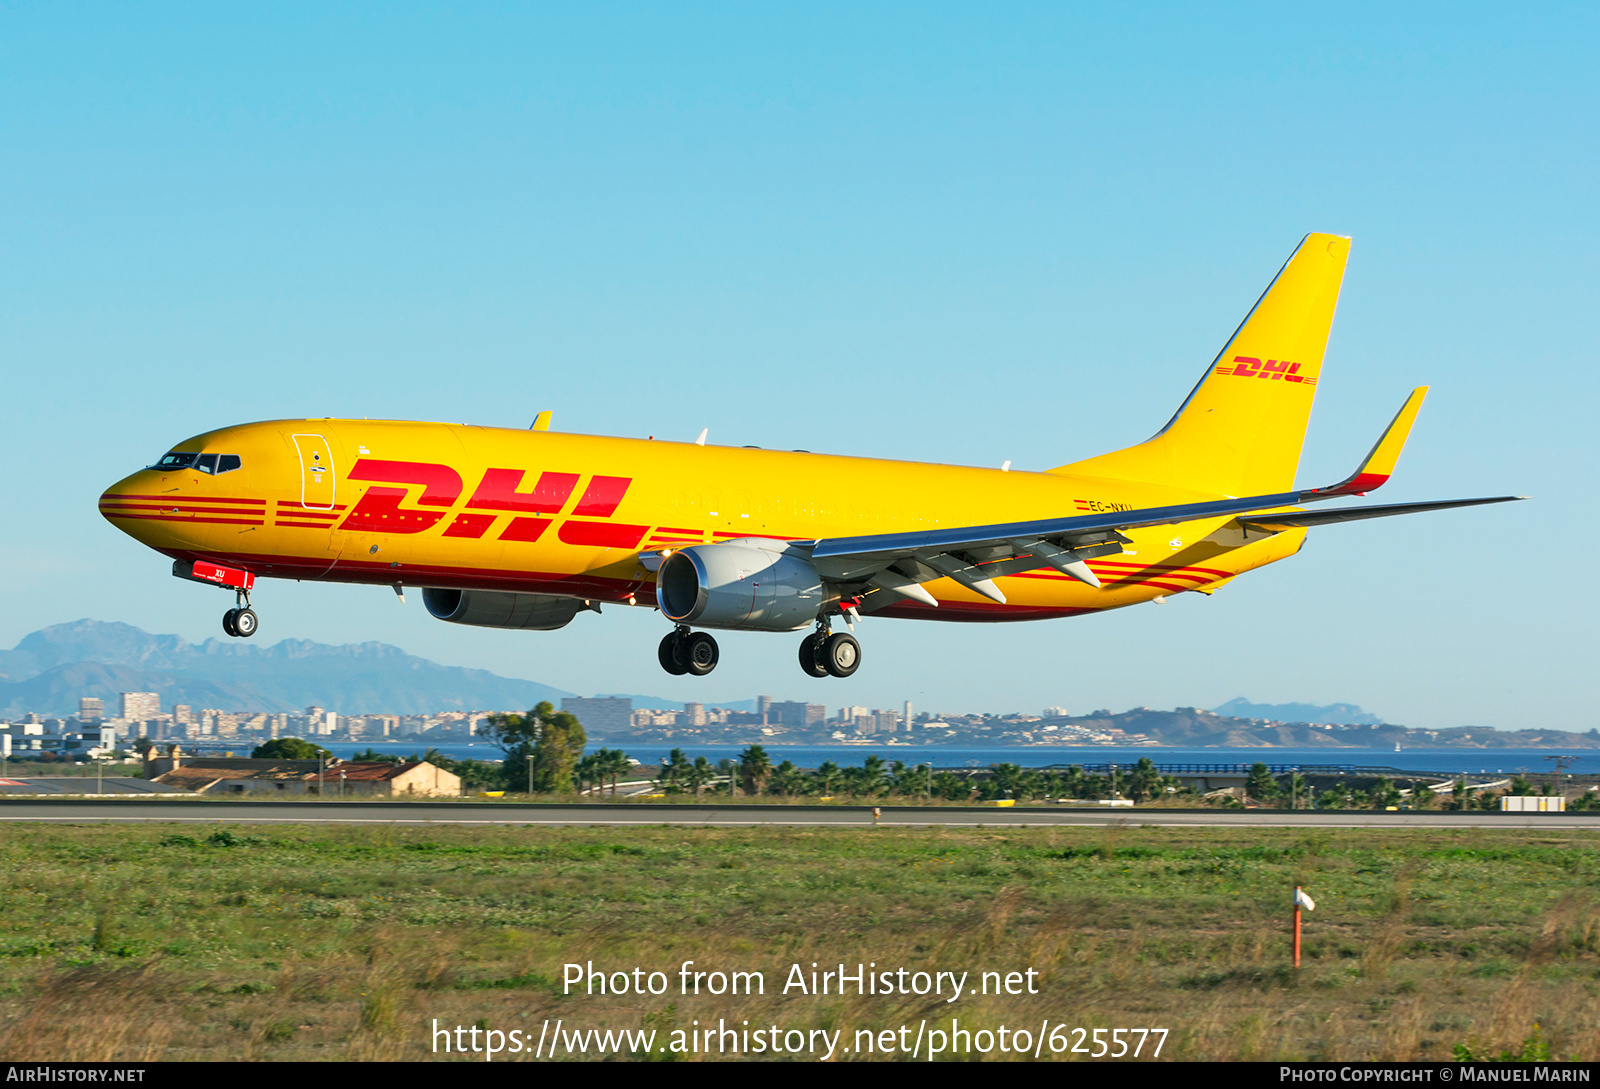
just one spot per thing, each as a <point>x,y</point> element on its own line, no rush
<point>826,653</point>
<point>241,622</point>
<point>684,651</point>
<point>823,653</point>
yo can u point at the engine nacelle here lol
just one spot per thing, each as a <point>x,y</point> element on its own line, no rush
<point>751,583</point>
<point>496,609</point>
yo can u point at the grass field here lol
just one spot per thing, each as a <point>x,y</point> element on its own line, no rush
<point>302,942</point>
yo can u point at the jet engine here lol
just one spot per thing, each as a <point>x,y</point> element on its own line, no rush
<point>751,584</point>
<point>496,609</point>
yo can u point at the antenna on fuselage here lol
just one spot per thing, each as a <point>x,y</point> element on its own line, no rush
<point>701,441</point>
<point>541,422</point>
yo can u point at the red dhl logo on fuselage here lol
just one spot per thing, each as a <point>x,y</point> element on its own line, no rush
<point>380,509</point>
<point>1246,366</point>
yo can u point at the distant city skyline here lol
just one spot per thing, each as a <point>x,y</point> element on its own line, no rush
<point>614,720</point>
<point>377,680</point>
<point>970,236</point>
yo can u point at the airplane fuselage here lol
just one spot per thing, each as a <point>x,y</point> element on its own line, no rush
<point>480,508</point>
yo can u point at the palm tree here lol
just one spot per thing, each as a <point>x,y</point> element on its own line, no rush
<point>1384,794</point>
<point>1070,783</point>
<point>872,775</point>
<point>615,763</point>
<point>1004,780</point>
<point>587,770</point>
<point>674,767</point>
<point>700,773</point>
<point>1260,785</point>
<point>1145,782</point>
<point>754,768</point>
<point>827,772</point>
<point>951,787</point>
<point>788,779</point>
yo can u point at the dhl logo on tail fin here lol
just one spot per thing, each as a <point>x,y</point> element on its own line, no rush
<point>1244,437</point>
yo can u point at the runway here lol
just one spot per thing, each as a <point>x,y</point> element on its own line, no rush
<point>131,809</point>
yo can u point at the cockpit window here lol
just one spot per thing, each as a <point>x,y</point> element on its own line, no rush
<point>211,464</point>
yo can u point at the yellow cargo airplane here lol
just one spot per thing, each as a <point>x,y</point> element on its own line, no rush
<point>525,529</point>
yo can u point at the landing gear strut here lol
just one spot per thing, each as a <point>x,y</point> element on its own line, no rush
<point>684,651</point>
<point>241,621</point>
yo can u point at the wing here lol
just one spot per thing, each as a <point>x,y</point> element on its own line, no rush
<point>1288,519</point>
<point>975,556</point>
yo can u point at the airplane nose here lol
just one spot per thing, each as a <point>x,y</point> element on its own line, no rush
<point>133,507</point>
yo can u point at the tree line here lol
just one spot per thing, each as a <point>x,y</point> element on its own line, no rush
<point>1292,791</point>
<point>544,754</point>
<point>754,775</point>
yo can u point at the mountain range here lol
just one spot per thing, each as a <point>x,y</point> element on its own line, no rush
<point>1345,714</point>
<point>50,669</point>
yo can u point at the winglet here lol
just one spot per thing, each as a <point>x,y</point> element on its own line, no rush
<point>541,422</point>
<point>1380,462</point>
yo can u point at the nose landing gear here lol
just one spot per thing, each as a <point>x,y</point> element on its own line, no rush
<point>241,622</point>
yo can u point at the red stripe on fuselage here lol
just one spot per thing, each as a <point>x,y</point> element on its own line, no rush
<point>181,519</point>
<point>168,498</point>
<point>181,508</point>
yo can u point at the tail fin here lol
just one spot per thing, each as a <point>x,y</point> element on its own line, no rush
<point>1241,429</point>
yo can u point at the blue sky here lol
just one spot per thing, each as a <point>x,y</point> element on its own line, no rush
<point>931,232</point>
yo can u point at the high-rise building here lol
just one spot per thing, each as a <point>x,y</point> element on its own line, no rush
<point>140,706</point>
<point>696,713</point>
<point>796,715</point>
<point>91,709</point>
